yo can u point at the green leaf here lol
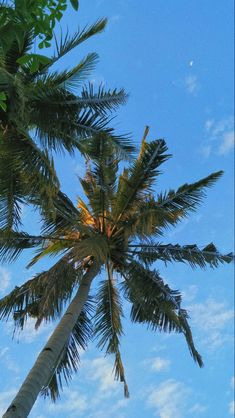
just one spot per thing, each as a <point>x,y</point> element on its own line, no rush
<point>34,66</point>
<point>108,326</point>
<point>75,4</point>
<point>3,96</point>
<point>32,58</point>
<point>3,106</point>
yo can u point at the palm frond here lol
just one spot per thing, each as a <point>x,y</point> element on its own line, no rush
<point>156,305</point>
<point>25,172</point>
<point>149,219</point>
<point>62,129</point>
<point>16,51</point>
<point>89,123</point>
<point>39,164</point>
<point>184,325</point>
<point>51,248</point>
<point>11,188</point>
<point>68,362</point>
<point>12,243</point>
<point>99,183</point>
<point>192,254</point>
<point>94,246</point>
<point>68,43</point>
<point>11,202</point>
<point>108,327</point>
<point>120,145</point>
<point>100,101</point>
<point>137,181</point>
<point>63,218</point>
<point>73,78</point>
<point>46,86</point>
<point>42,297</point>
<point>188,196</point>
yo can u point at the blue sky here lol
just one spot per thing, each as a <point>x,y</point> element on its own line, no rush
<point>175,59</point>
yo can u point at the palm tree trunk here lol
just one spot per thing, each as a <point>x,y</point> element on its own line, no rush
<point>40,373</point>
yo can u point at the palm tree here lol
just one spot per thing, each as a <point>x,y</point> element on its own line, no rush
<point>44,114</point>
<point>117,232</point>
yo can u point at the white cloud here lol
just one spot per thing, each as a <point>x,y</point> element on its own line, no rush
<point>159,364</point>
<point>197,408</point>
<point>100,369</point>
<point>6,360</point>
<point>206,150</point>
<point>107,396</point>
<point>100,372</point>
<point>189,294</point>
<point>115,18</point>
<point>211,319</point>
<point>231,405</point>
<point>29,333</point>
<point>169,399</point>
<point>232,408</point>
<point>227,143</point>
<point>3,351</point>
<point>5,279</point>
<point>191,84</point>
<point>208,124</point>
<point>40,416</point>
<point>109,410</point>
<point>219,137</point>
<point>5,399</point>
<point>74,402</point>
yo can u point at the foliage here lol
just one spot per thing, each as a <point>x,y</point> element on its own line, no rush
<point>43,111</point>
<point>36,16</point>
<point>118,228</point>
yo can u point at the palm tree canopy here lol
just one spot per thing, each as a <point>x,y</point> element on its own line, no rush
<point>46,111</point>
<point>119,226</point>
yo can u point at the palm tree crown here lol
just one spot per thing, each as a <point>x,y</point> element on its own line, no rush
<point>46,111</point>
<point>118,228</point>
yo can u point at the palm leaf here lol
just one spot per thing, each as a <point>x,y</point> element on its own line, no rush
<point>99,183</point>
<point>191,254</point>
<point>149,219</point>
<point>60,129</point>
<point>12,243</point>
<point>25,172</point>
<point>108,327</point>
<point>68,43</point>
<point>16,51</point>
<point>51,248</point>
<point>46,86</point>
<point>42,297</point>
<point>102,101</point>
<point>188,196</point>
<point>63,218</point>
<point>94,246</point>
<point>136,183</point>
<point>121,144</point>
<point>11,202</point>
<point>156,305</point>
